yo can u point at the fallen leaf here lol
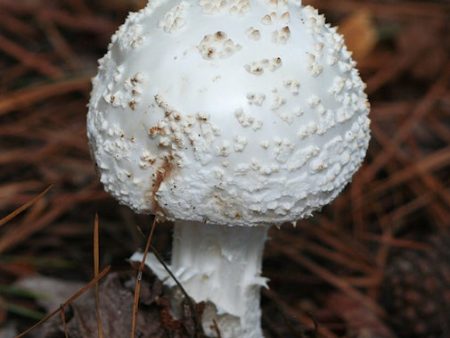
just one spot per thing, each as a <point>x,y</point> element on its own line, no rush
<point>50,292</point>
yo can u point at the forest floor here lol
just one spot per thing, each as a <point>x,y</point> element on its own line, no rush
<point>373,264</point>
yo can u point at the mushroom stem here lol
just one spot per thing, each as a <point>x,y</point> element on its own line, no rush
<point>221,266</point>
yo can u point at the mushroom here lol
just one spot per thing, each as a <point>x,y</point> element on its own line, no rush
<point>226,117</point>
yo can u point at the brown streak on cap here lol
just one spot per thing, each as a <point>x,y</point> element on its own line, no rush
<point>162,173</point>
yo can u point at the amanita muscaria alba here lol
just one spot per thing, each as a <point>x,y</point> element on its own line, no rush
<point>226,117</point>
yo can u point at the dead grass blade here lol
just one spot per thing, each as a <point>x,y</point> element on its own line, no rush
<point>77,294</point>
<point>24,207</point>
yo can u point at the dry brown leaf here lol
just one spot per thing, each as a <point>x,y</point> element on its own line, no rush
<point>360,34</point>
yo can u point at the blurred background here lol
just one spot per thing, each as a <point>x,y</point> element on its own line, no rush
<point>373,264</point>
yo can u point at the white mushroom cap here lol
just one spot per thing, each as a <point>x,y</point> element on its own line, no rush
<point>238,112</point>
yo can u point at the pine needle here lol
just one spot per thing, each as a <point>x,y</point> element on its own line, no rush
<point>96,271</point>
<point>137,288</point>
<point>63,319</point>
<point>24,207</point>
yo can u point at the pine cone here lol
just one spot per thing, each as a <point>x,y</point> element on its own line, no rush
<point>416,291</point>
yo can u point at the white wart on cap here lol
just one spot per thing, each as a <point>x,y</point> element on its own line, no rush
<point>233,112</point>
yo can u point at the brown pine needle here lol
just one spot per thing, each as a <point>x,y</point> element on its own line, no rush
<point>30,59</point>
<point>29,96</point>
<point>77,294</point>
<point>137,288</point>
<point>330,278</point>
<point>288,311</point>
<point>63,319</point>
<point>96,271</point>
<point>24,207</point>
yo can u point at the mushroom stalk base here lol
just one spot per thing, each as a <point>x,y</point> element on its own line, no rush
<point>220,265</point>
